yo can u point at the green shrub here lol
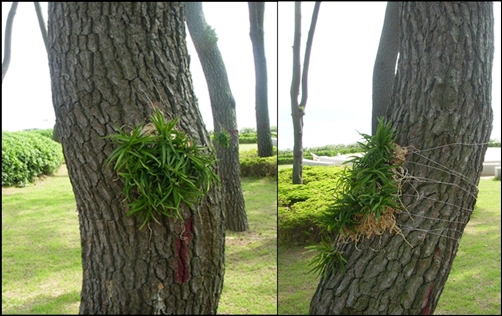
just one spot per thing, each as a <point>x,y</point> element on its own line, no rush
<point>370,187</point>
<point>44,132</point>
<point>248,135</point>
<point>247,130</point>
<point>284,157</point>
<point>252,130</point>
<point>494,143</point>
<point>254,166</point>
<point>244,138</point>
<point>259,167</point>
<point>14,171</point>
<point>368,198</point>
<point>253,153</point>
<point>300,206</point>
<point>160,167</point>
<point>248,139</point>
<point>26,155</point>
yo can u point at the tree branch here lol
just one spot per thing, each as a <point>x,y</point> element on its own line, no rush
<point>41,23</point>
<point>306,61</point>
<point>295,84</point>
<point>8,38</point>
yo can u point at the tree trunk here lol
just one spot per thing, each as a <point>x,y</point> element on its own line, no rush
<point>256,13</point>
<point>296,112</point>
<point>442,107</point>
<point>224,120</point>
<point>298,109</point>
<point>385,64</point>
<point>110,62</point>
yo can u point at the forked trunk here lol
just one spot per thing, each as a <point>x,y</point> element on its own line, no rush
<point>442,109</point>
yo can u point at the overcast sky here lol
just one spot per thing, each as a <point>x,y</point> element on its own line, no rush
<point>341,69</point>
<point>26,90</point>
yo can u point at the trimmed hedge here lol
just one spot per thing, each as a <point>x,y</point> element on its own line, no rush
<point>494,143</point>
<point>259,167</point>
<point>243,138</point>
<point>44,132</point>
<point>254,166</point>
<point>248,139</point>
<point>248,135</point>
<point>300,205</point>
<point>26,155</point>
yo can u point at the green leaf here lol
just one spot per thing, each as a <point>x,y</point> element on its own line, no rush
<point>160,171</point>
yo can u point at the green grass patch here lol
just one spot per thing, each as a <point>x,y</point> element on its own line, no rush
<point>41,265</point>
<point>280,167</point>
<point>41,259</point>
<point>473,286</point>
<point>295,286</point>
<point>301,205</point>
<point>250,285</point>
<point>245,147</point>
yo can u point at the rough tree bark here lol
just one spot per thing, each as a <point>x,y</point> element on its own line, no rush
<point>256,14</point>
<point>385,64</point>
<point>224,119</point>
<point>298,108</point>
<point>442,107</point>
<point>107,61</point>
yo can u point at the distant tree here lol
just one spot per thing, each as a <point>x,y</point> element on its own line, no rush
<point>8,39</point>
<point>298,108</point>
<point>43,31</point>
<point>256,14</point>
<point>111,65</point>
<point>385,64</point>
<point>441,108</point>
<point>226,134</point>
<point>8,33</point>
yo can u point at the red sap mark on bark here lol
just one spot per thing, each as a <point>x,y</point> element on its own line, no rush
<point>181,246</point>
<point>438,252</point>
<point>426,309</point>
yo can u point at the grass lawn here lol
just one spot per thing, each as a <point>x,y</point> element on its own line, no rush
<point>41,260</point>
<point>250,285</point>
<point>473,286</point>
<point>280,167</point>
<point>244,147</point>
